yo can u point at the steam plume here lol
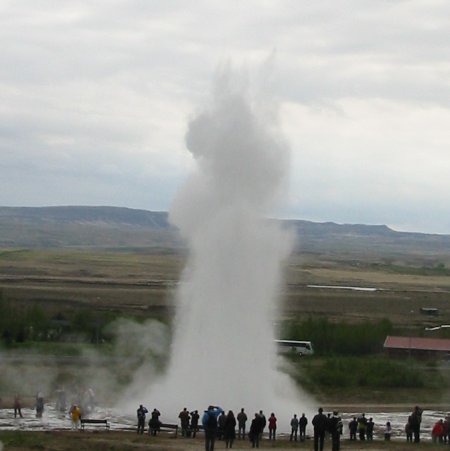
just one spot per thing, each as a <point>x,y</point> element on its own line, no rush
<point>223,348</point>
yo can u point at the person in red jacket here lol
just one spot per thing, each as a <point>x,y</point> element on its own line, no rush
<point>437,433</point>
<point>272,426</point>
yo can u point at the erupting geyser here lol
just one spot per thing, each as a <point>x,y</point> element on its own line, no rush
<point>223,350</point>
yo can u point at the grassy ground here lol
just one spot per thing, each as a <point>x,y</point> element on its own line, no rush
<point>129,441</point>
<point>142,284</point>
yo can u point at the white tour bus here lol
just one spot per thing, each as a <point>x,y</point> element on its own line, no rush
<point>299,348</point>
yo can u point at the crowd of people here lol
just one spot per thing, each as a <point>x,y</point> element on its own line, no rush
<point>226,426</point>
<point>220,425</point>
<point>216,425</point>
<point>83,402</point>
<point>441,431</point>
<point>361,428</point>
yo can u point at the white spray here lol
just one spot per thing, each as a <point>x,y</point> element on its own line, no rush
<point>223,350</point>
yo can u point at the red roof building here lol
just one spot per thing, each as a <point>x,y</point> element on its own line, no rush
<point>417,345</point>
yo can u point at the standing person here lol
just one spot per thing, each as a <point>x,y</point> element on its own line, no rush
<point>75,416</point>
<point>328,425</point>
<point>272,426</point>
<point>89,399</point>
<point>437,433</point>
<point>154,423</point>
<point>229,430</point>
<point>17,406</point>
<point>408,430</point>
<point>446,429</point>
<point>263,423</point>
<point>415,420</point>
<point>353,427</point>
<point>369,429</point>
<point>387,431</point>
<point>320,423</point>
<point>335,428</point>
<point>302,425</point>
<point>362,424</point>
<point>255,430</point>
<point>140,413</point>
<point>242,420</point>
<point>39,405</point>
<point>209,421</point>
<point>221,425</point>
<point>294,427</point>
<point>184,421</point>
<point>194,423</point>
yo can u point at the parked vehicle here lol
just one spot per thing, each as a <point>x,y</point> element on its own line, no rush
<point>299,348</point>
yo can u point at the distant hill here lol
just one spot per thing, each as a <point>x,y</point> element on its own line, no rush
<point>92,215</point>
<point>130,228</point>
<point>364,240</point>
<point>85,226</point>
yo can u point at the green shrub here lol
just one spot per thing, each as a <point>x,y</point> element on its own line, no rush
<point>370,372</point>
<point>23,324</point>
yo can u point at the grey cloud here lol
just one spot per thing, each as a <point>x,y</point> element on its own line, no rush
<point>103,90</point>
<point>335,81</point>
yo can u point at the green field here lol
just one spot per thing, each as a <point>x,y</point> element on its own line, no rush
<point>65,304</point>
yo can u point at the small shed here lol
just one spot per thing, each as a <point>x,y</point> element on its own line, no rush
<point>417,346</point>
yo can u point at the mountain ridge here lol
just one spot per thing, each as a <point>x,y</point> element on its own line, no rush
<point>106,226</point>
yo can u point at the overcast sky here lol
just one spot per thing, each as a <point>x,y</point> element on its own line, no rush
<point>96,96</point>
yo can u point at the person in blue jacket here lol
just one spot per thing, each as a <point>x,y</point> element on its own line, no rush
<point>209,421</point>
